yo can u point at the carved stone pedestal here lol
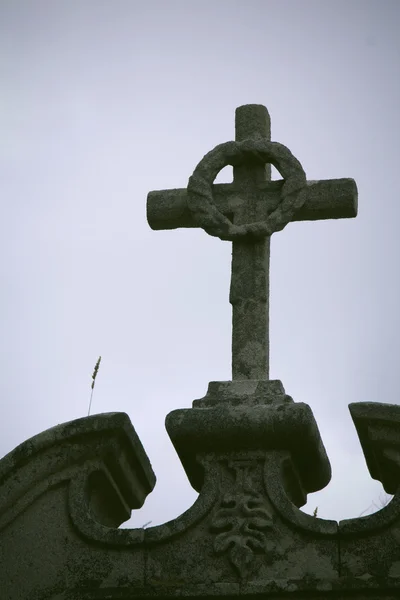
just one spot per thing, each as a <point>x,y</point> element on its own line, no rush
<point>64,492</point>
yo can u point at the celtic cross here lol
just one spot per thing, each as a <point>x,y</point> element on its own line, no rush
<point>247,212</point>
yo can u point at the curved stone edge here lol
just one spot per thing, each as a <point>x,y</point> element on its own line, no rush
<point>108,442</point>
<point>92,530</point>
<point>9,515</point>
<point>279,472</point>
<point>368,547</point>
<point>201,507</point>
<point>222,428</point>
<point>275,483</point>
<point>378,428</point>
<point>371,524</point>
<point>257,151</point>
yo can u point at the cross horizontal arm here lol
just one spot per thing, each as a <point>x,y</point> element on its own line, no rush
<point>327,199</point>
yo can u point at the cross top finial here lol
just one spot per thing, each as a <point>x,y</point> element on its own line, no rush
<point>247,212</point>
<point>252,146</point>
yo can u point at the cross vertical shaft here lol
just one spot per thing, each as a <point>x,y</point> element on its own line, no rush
<point>248,211</point>
<point>249,292</point>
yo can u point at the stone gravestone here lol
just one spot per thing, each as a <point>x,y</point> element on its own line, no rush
<point>251,452</point>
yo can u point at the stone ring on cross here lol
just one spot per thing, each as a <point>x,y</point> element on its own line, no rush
<point>200,196</point>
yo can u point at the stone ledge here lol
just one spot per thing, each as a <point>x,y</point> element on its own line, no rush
<point>223,428</point>
<point>378,428</point>
<point>342,588</point>
<point>122,481</point>
<point>247,392</point>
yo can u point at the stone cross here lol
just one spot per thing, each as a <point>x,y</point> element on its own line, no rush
<point>247,212</point>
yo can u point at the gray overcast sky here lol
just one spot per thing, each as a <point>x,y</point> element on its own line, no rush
<point>101,103</point>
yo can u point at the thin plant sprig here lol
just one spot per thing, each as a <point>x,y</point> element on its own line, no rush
<point>94,375</point>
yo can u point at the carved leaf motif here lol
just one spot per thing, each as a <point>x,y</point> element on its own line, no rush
<point>241,557</point>
<point>241,522</point>
<point>224,541</point>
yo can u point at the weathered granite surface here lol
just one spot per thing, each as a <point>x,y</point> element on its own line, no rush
<point>249,450</point>
<point>247,212</point>
<point>65,491</point>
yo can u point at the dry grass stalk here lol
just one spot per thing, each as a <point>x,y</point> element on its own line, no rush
<point>94,375</point>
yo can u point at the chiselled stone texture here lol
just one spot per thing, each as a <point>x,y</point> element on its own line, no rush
<point>278,424</point>
<point>331,199</point>
<point>64,492</point>
<point>243,522</point>
<point>370,546</point>
<point>378,427</point>
<point>247,212</point>
<point>251,452</point>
